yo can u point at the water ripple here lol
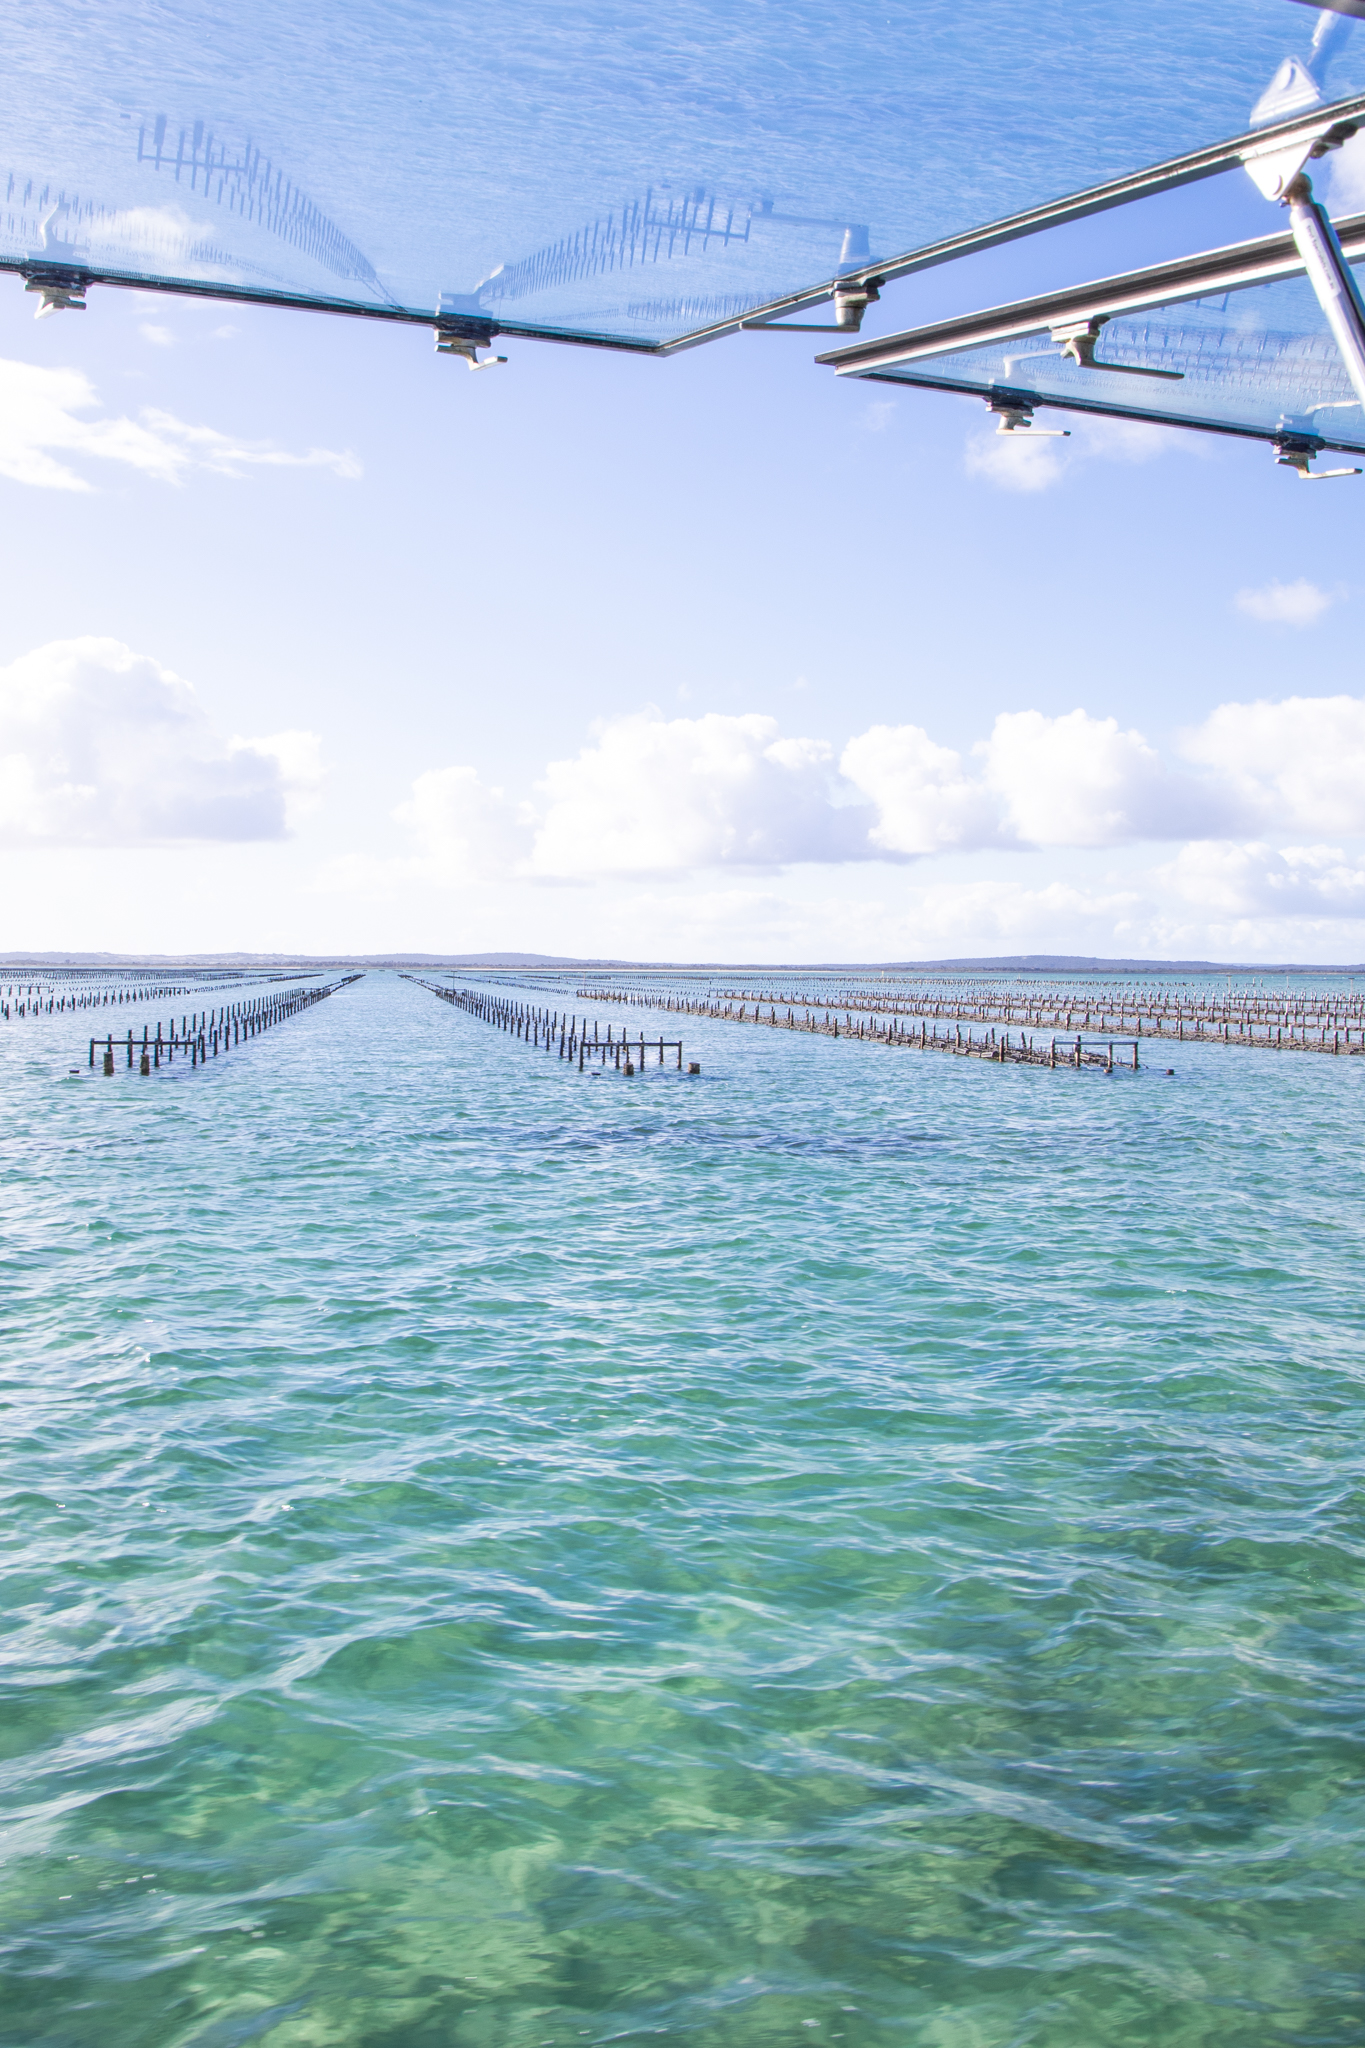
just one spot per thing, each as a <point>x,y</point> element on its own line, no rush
<point>864,1546</point>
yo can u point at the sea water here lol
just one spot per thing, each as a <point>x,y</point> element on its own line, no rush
<point>856,1546</point>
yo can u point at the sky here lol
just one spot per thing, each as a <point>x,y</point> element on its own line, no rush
<point>315,642</point>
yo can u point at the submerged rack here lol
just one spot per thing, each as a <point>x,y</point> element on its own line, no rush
<point>556,1031</point>
<point>1089,1052</point>
<point>207,1033</point>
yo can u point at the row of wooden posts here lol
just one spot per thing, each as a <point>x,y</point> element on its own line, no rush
<point>50,998</point>
<point>1324,1023</point>
<point>557,1032</point>
<point>208,1032</point>
<point>1154,1011</point>
<point>43,1001</point>
<point>1005,1046</point>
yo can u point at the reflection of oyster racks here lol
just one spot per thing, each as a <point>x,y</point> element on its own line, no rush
<point>1237,357</point>
<point>57,224</point>
<point>255,189</point>
<point>728,307</point>
<point>645,231</point>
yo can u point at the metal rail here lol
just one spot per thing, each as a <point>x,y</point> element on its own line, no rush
<point>1261,261</point>
<point>73,279</point>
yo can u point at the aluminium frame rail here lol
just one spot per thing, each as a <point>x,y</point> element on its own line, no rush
<point>1265,260</point>
<point>74,279</point>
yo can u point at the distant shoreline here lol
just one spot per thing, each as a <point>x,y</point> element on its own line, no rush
<point>1011,963</point>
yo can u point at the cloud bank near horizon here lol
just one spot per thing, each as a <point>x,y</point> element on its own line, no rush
<point>651,796</point>
<point>1250,814</point>
<point>103,747</point>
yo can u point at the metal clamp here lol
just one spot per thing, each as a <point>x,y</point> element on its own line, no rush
<point>851,301</point>
<point>1077,339</point>
<point>1296,451</point>
<point>1273,167</point>
<point>1015,416</point>
<point>448,344</point>
<point>63,291</point>
<point>459,334</point>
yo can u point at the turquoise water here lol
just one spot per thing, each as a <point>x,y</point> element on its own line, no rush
<point>861,1546</point>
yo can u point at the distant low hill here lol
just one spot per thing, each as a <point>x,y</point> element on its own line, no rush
<point>1000,963</point>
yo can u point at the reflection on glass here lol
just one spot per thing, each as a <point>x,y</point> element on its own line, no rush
<point>1262,359</point>
<point>587,168</point>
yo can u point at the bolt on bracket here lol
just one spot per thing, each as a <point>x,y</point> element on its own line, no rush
<point>461,333</point>
<point>1015,417</point>
<point>1077,339</point>
<point>62,291</point>
<point>449,344</point>
<point>1296,452</point>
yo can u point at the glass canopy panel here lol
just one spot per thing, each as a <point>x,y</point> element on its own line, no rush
<point>600,168</point>
<point>1261,360</point>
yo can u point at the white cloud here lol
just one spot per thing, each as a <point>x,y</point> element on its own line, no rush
<point>924,798</point>
<point>1228,879</point>
<point>1296,765</point>
<point>160,337</point>
<point>40,411</point>
<point>668,798</point>
<point>1015,461</point>
<point>1080,781</point>
<point>299,758</point>
<point>1020,462</point>
<point>1285,604</point>
<point>654,795</point>
<point>101,746</point>
<point>1067,781</point>
<point>462,828</point>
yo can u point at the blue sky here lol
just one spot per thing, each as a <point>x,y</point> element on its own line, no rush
<point>595,655</point>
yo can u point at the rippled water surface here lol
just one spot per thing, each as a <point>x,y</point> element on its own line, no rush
<point>860,1546</point>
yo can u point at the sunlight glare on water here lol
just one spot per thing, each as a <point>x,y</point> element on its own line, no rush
<point>858,1546</point>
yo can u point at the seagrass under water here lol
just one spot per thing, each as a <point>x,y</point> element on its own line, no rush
<point>858,1547</point>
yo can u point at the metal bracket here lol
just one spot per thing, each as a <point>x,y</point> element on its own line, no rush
<point>448,344</point>
<point>1016,417</point>
<point>1295,451</point>
<point>461,330</point>
<point>1274,168</point>
<point>63,291</point>
<point>1077,339</point>
<point>851,301</point>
